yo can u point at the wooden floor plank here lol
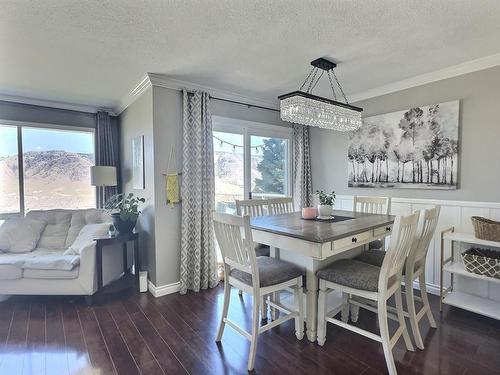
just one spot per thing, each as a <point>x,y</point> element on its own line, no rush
<point>6,318</point>
<point>118,350</point>
<point>161,351</point>
<point>94,340</point>
<point>14,357</point>
<point>56,357</point>
<point>34,359</point>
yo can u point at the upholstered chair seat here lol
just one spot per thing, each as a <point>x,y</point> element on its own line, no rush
<point>271,272</point>
<point>351,273</point>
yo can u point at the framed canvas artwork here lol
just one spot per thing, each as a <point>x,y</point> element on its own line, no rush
<point>138,180</point>
<point>415,148</point>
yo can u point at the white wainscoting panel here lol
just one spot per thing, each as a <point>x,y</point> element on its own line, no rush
<point>453,214</point>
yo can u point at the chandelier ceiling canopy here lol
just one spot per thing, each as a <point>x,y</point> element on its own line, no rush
<point>302,107</point>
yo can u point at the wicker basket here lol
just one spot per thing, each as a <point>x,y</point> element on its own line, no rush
<point>482,262</point>
<point>486,229</point>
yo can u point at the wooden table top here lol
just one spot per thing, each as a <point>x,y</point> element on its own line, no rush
<point>292,225</point>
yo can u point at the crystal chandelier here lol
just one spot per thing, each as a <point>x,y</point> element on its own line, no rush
<point>302,107</point>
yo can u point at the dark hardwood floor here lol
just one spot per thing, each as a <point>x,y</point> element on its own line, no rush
<point>174,334</point>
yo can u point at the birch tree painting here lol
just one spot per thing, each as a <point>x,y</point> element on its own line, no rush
<point>416,148</point>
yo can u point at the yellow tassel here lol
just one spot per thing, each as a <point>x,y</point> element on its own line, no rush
<point>172,189</point>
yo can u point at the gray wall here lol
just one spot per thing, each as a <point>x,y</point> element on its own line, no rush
<point>137,120</point>
<point>479,154</point>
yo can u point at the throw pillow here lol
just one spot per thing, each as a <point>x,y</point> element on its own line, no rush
<point>20,235</point>
<point>86,236</point>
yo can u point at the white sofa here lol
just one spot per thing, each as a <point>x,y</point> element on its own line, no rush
<point>36,272</point>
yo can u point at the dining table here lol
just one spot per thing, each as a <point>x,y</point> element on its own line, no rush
<point>313,244</point>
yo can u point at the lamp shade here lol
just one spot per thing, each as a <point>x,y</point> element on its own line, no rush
<point>102,176</point>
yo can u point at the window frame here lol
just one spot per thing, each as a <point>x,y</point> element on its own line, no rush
<point>20,159</point>
<point>259,129</point>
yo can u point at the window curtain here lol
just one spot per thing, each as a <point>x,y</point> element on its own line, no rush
<point>302,181</point>
<point>106,152</point>
<point>198,259</point>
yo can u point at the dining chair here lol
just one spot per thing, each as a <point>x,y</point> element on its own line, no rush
<point>279,206</point>
<point>370,282</point>
<point>257,276</point>
<point>372,205</point>
<point>253,208</point>
<point>414,270</point>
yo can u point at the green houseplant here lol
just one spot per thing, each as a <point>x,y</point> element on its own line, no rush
<point>124,211</point>
<point>326,202</point>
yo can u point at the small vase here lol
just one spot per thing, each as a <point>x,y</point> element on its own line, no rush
<point>122,226</point>
<point>324,210</point>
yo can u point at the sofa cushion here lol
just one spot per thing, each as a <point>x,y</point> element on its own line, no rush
<point>80,218</point>
<point>56,230</point>
<point>9,272</point>
<point>46,259</point>
<point>51,274</point>
<point>86,236</point>
<point>20,235</point>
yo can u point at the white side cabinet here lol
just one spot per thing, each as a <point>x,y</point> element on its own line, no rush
<point>462,297</point>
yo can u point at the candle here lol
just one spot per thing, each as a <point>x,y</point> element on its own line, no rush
<point>309,212</point>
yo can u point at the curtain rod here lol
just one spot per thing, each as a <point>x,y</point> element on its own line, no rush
<point>240,103</point>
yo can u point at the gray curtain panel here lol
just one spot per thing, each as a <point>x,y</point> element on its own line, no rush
<point>302,181</point>
<point>106,151</point>
<point>198,259</point>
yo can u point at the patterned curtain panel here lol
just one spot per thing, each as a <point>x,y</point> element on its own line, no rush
<point>302,182</point>
<point>198,258</point>
<point>106,152</point>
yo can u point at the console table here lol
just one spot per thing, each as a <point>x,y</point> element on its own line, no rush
<point>467,301</point>
<point>122,239</point>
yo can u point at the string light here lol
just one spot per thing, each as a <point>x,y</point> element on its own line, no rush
<point>233,145</point>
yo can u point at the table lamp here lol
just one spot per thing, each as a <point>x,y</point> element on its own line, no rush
<point>102,176</point>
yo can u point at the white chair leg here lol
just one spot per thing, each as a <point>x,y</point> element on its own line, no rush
<point>275,313</point>
<point>425,299</point>
<point>322,304</point>
<point>225,308</point>
<point>255,332</point>
<point>412,314</point>
<point>263,308</point>
<point>344,313</point>
<point>402,322</point>
<point>386,339</point>
<point>354,313</point>
<point>299,302</point>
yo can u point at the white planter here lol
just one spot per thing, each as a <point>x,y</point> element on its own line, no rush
<point>324,210</point>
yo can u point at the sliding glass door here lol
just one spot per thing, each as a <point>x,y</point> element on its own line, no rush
<point>252,161</point>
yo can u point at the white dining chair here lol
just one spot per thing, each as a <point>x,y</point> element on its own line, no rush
<point>373,205</point>
<point>279,206</point>
<point>257,277</point>
<point>370,282</point>
<point>414,270</point>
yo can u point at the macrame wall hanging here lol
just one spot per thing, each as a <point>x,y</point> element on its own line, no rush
<point>172,181</point>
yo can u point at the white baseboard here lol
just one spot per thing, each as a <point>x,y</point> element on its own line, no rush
<point>163,290</point>
<point>431,288</point>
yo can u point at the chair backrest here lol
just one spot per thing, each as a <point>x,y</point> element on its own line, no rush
<point>402,239</point>
<point>426,228</point>
<point>372,205</point>
<point>278,206</point>
<point>252,207</point>
<point>234,237</point>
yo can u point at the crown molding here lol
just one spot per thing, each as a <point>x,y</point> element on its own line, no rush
<point>160,80</point>
<point>53,104</point>
<point>438,75</point>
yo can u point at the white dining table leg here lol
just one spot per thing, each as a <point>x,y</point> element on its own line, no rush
<point>312,267</point>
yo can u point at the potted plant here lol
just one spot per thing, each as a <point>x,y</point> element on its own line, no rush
<point>125,211</point>
<point>326,202</point>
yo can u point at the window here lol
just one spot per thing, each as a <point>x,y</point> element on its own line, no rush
<point>251,161</point>
<point>44,167</point>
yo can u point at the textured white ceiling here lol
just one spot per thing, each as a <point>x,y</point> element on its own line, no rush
<point>94,52</point>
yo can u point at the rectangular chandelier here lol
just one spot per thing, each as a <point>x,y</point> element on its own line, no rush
<point>302,107</point>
